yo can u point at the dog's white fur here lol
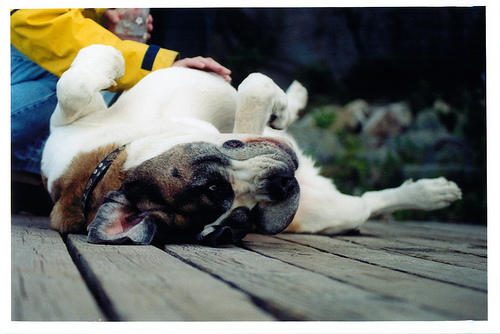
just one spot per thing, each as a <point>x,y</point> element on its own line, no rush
<point>178,105</point>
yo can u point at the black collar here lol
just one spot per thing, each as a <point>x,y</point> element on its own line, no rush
<point>97,175</point>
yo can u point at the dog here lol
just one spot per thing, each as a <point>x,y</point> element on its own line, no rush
<point>185,157</point>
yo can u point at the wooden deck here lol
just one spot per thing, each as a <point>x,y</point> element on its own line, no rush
<point>391,271</point>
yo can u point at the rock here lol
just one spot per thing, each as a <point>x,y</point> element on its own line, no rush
<point>428,120</point>
<point>423,134</point>
<point>450,150</point>
<point>339,118</point>
<point>402,112</point>
<point>387,120</point>
<point>441,106</point>
<point>359,109</point>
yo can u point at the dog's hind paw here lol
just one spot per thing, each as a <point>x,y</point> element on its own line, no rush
<point>297,100</point>
<point>432,194</point>
<point>279,118</point>
<point>285,112</point>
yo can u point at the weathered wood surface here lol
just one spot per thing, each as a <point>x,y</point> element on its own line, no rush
<point>145,283</point>
<point>391,271</point>
<point>46,285</point>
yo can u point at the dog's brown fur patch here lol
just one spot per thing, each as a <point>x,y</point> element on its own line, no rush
<point>67,191</point>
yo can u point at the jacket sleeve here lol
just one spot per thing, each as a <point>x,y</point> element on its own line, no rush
<point>52,38</point>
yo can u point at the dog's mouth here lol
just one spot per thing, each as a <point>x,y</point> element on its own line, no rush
<point>275,143</point>
<point>281,145</point>
<point>267,141</point>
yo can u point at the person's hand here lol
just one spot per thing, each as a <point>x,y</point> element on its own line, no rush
<point>205,64</point>
<point>111,17</point>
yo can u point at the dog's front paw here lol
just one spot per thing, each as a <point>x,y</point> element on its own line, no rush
<point>432,194</point>
<point>260,102</point>
<point>105,62</point>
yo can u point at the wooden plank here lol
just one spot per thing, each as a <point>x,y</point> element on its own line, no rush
<point>292,293</point>
<point>463,248</point>
<point>355,249</point>
<point>473,235</point>
<point>41,223</point>
<point>467,231</point>
<point>456,244</point>
<point>452,301</point>
<point>433,250</point>
<point>45,283</point>
<point>145,283</point>
<point>430,252</point>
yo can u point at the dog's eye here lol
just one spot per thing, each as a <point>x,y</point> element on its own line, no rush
<point>233,143</point>
<point>213,187</point>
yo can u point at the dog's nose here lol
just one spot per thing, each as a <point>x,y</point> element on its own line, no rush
<point>280,187</point>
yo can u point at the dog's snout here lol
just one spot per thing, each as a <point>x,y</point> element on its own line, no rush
<point>279,186</point>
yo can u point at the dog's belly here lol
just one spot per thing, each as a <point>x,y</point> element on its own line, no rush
<point>179,92</point>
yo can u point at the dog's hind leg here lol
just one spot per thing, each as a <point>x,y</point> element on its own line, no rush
<point>95,68</point>
<point>324,210</point>
<point>260,103</point>
<point>424,194</point>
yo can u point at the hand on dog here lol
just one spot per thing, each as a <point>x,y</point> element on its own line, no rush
<point>205,64</point>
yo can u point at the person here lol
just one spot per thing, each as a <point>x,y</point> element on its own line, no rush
<point>44,42</point>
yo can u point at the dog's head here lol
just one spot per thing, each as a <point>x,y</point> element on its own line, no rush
<point>206,192</point>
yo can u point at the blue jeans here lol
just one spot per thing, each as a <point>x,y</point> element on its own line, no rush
<point>33,99</point>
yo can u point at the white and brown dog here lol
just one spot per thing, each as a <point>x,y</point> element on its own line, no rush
<point>185,157</point>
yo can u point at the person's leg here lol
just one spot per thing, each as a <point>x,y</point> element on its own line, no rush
<point>33,99</point>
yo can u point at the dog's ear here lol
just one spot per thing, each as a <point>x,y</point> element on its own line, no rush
<point>117,222</point>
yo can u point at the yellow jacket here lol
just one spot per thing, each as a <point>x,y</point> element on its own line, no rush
<point>52,38</point>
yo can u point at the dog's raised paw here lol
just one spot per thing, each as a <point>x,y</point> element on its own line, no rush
<point>279,118</point>
<point>104,60</point>
<point>297,100</point>
<point>432,194</point>
<point>297,96</point>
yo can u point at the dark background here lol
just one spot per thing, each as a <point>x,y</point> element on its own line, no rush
<point>381,55</point>
<point>353,49</point>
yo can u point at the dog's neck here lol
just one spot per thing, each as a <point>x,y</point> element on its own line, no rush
<point>97,175</point>
<point>68,190</point>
